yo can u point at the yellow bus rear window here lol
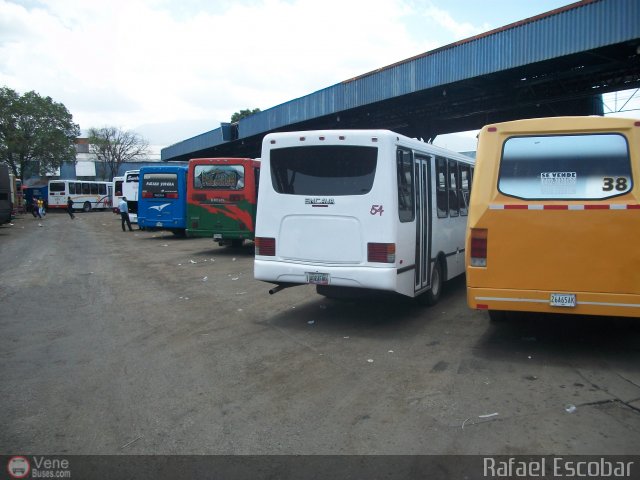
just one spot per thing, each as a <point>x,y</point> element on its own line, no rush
<point>565,167</point>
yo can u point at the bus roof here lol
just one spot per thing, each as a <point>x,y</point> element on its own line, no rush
<point>415,143</point>
<point>562,124</point>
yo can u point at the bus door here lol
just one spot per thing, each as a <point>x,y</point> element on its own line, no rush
<point>422,182</point>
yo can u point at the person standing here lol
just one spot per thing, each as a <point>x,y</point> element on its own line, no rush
<point>124,213</point>
<point>70,208</point>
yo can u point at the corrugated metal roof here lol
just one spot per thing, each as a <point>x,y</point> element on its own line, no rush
<point>578,27</point>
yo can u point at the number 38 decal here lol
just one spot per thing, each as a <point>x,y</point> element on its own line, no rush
<point>610,183</point>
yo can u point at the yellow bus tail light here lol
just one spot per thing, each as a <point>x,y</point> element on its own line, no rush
<point>479,247</point>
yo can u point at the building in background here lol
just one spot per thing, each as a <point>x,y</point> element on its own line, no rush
<point>88,167</point>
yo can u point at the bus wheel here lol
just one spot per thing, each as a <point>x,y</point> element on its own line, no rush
<point>432,296</point>
<point>86,207</point>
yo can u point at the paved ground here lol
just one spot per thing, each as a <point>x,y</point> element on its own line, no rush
<point>141,342</point>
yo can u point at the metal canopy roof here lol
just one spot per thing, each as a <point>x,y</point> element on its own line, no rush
<point>557,63</point>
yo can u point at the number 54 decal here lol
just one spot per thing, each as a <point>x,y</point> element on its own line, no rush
<point>619,183</point>
<point>376,209</point>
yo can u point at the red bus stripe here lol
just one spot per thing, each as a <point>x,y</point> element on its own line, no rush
<point>556,207</point>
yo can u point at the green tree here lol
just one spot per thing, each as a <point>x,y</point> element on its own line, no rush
<point>242,114</point>
<point>37,135</point>
<point>114,146</point>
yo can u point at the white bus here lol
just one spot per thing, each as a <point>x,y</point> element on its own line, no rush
<point>117,193</point>
<point>130,190</point>
<point>86,195</point>
<point>364,209</point>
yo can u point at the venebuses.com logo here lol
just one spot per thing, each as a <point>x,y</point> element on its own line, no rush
<point>38,467</point>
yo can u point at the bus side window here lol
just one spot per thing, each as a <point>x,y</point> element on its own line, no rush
<point>405,186</point>
<point>102,189</point>
<point>453,188</point>
<point>94,188</point>
<point>441,179</point>
<point>86,189</point>
<point>72,188</point>
<point>464,187</point>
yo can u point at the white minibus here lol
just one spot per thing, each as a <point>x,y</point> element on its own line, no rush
<point>361,209</point>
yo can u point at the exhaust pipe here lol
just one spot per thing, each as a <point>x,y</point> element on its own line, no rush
<point>279,287</point>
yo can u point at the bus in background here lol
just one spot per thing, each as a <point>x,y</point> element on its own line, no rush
<point>37,192</point>
<point>162,198</point>
<point>361,209</point>
<point>117,193</point>
<point>221,199</point>
<point>13,195</point>
<point>130,190</point>
<point>86,195</point>
<point>20,207</point>
<point>6,207</point>
<point>555,218</point>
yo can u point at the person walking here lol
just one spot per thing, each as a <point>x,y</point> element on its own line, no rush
<point>35,209</point>
<point>124,213</point>
<point>70,208</point>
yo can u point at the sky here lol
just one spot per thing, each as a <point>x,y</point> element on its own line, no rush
<point>173,69</point>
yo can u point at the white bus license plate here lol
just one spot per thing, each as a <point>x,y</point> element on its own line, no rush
<point>563,300</point>
<point>318,278</point>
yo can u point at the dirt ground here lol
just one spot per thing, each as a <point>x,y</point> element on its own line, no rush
<point>138,342</point>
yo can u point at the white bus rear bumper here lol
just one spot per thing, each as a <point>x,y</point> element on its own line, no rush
<point>379,278</point>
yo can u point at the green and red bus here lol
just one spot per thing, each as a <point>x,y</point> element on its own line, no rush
<point>222,194</point>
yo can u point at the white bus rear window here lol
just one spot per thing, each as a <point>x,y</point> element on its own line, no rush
<point>323,170</point>
<point>560,167</point>
<point>56,187</point>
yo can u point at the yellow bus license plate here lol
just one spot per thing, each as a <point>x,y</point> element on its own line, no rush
<point>563,300</point>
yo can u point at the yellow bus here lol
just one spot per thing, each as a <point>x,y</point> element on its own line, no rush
<point>554,218</point>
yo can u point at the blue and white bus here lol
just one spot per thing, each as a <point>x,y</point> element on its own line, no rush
<point>162,198</point>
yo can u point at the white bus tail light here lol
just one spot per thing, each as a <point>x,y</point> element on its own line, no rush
<point>265,246</point>
<point>381,252</point>
<point>479,247</point>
